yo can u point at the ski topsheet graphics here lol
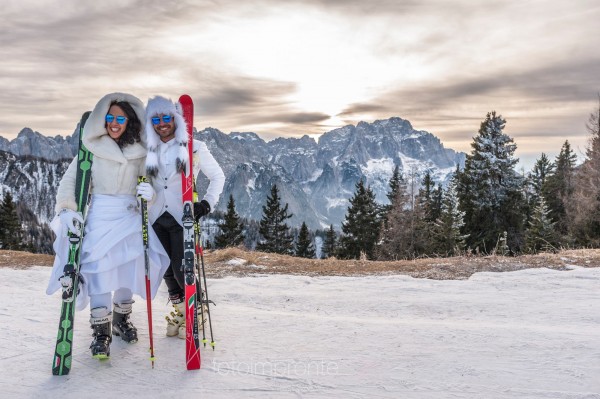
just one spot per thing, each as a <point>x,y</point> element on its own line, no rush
<point>70,280</point>
<point>192,344</point>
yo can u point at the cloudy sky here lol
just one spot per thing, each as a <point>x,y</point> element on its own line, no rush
<point>288,68</point>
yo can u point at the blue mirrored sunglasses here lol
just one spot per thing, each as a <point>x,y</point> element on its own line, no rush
<point>165,119</point>
<point>120,119</point>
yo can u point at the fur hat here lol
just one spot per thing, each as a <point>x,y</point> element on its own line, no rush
<point>161,105</point>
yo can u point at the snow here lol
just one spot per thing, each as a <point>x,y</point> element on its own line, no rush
<point>379,167</point>
<point>236,262</point>
<point>336,202</point>
<point>250,186</point>
<point>527,334</point>
<point>316,174</point>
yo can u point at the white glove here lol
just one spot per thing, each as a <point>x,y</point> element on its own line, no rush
<point>145,191</point>
<point>68,218</point>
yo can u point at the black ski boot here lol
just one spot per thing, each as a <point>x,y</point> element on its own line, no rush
<point>122,327</point>
<point>100,323</point>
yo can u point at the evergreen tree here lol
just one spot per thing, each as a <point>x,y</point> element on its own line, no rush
<point>231,229</point>
<point>402,237</point>
<point>396,184</point>
<point>304,245</point>
<point>447,231</point>
<point>330,243</point>
<point>426,197</point>
<point>541,233</point>
<point>361,226</point>
<point>490,189</point>
<point>437,200</point>
<point>583,208</point>
<point>542,170</point>
<point>560,186</point>
<point>11,234</point>
<point>273,228</point>
<point>535,184</point>
<point>424,214</point>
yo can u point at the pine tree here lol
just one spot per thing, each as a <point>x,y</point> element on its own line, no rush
<point>426,197</point>
<point>540,173</point>
<point>274,230</point>
<point>330,247</point>
<point>424,214</point>
<point>560,186</point>
<point>231,229</point>
<point>11,234</point>
<point>490,189</point>
<point>541,233</point>
<point>304,245</point>
<point>396,184</point>
<point>361,226</point>
<point>447,231</point>
<point>583,208</point>
<point>437,200</point>
<point>401,237</point>
<point>535,184</point>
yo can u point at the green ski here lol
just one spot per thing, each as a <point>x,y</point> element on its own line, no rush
<point>70,281</point>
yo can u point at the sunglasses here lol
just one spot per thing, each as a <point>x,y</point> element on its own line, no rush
<point>120,119</point>
<point>165,119</point>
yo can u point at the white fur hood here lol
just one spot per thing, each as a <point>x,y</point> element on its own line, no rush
<point>97,140</point>
<point>161,105</point>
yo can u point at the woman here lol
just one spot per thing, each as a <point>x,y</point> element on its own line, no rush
<point>112,252</point>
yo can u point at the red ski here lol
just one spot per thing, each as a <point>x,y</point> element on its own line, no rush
<point>192,341</point>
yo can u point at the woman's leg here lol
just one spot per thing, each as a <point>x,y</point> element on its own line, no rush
<point>122,326</point>
<point>100,323</point>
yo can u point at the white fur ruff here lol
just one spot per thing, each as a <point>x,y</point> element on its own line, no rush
<point>161,105</point>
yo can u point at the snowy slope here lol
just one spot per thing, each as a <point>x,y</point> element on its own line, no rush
<point>527,334</point>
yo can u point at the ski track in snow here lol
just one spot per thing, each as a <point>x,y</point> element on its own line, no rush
<point>528,334</point>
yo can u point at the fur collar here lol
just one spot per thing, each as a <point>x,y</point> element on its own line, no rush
<point>97,140</point>
<point>161,105</point>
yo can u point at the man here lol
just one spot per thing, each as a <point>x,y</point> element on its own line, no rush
<point>167,156</point>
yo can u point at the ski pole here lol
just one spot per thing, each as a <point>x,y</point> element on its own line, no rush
<point>143,179</point>
<point>200,251</point>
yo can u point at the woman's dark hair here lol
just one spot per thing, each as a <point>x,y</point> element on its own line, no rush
<point>134,126</point>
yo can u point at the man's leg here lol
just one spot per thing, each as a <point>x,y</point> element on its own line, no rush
<point>170,234</point>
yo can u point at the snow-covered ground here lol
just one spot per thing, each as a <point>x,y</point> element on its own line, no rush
<point>526,334</point>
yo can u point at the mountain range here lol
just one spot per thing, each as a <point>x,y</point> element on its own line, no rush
<point>315,178</point>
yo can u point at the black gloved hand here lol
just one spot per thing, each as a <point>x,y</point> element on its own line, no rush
<point>201,208</point>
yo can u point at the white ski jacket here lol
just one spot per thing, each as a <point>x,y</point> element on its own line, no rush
<point>167,183</point>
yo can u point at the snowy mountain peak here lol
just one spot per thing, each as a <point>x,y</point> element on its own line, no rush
<point>246,136</point>
<point>32,143</point>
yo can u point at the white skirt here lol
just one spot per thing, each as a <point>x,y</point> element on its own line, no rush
<point>112,253</point>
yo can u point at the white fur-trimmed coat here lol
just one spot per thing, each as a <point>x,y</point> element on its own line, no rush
<point>114,170</point>
<point>167,182</point>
